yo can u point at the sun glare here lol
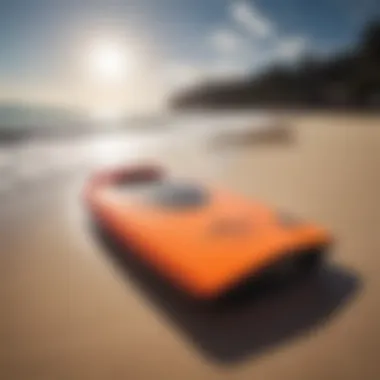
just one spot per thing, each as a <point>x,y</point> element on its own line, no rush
<point>109,62</point>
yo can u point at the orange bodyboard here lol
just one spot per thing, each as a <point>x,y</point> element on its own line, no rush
<point>205,249</point>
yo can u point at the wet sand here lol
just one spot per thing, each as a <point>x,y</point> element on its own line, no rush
<point>70,311</point>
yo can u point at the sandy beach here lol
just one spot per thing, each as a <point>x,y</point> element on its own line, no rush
<point>68,311</point>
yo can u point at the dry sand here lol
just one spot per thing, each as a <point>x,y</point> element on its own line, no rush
<point>69,312</point>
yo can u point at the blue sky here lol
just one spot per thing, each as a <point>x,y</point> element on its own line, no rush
<point>42,42</point>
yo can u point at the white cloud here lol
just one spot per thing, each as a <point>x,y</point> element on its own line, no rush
<point>227,71</point>
<point>182,75</point>
<point>251,19</point>
<point>226,41</point>
<point>291,48</point>
<point>242,54</point>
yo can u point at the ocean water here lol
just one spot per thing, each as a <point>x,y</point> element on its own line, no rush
<point>45,145</point>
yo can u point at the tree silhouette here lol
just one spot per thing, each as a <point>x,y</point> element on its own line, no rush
<point>350,79</point>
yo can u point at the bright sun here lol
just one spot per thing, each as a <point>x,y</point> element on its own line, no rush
<point>109,62</point>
